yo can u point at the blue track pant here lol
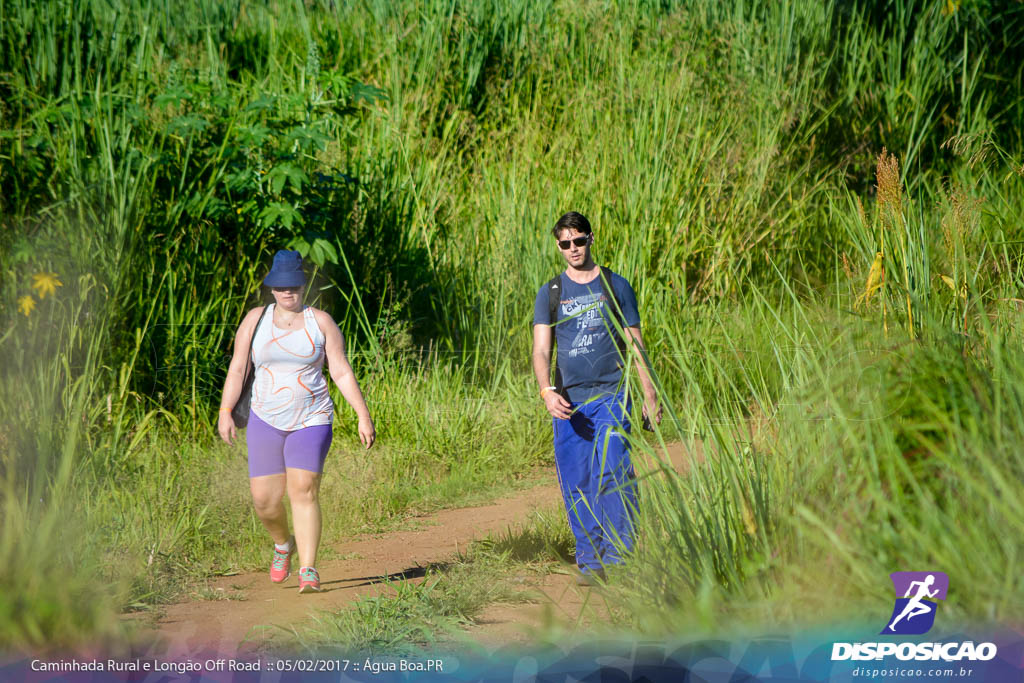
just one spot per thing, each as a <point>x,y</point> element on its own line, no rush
<point>596,479</point>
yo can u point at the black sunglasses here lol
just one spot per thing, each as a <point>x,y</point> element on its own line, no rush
<point>578,241</point>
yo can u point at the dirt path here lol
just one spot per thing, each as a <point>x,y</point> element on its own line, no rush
<point>560,608</point>
<point>253,608</point>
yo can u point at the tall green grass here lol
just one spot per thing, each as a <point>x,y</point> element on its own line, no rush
<point>892,440</point>
<point>417,153</point>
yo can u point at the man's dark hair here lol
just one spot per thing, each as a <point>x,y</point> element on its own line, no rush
<point>572,221</point>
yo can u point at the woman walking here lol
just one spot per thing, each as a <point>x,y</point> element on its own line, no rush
<point>289,429</point>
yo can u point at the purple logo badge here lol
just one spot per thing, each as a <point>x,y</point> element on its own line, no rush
<point>914,612</point>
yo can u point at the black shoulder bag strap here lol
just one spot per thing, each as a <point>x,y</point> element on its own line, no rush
<point>554,286</point>
<point>240,413</point>
<point>613,302</point>
<point>252,339</point>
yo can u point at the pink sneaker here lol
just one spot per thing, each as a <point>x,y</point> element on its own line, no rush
<point>281,565</point>
<point>309,580</point>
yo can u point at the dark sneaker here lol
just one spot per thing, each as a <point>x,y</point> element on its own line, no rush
<point>592,577</point>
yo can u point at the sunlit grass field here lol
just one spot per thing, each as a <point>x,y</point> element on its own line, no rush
<point>817,203</point>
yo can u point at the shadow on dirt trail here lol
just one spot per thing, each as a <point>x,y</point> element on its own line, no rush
<point>248,609</point>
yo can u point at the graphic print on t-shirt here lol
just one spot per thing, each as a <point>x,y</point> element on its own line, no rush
<point>585,314</point>
<point>583,324</point>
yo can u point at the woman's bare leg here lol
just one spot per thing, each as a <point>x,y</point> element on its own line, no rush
<point>304,494</point>
<point>267,499</point>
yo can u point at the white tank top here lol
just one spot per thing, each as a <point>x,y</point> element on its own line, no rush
<point>289,391</point>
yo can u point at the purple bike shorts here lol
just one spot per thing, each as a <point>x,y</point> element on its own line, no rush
<point>271,450</point>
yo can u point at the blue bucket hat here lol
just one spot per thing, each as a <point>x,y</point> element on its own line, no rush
<point>286,270</point>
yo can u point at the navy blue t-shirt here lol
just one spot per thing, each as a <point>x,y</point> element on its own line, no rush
<point>588,355</point>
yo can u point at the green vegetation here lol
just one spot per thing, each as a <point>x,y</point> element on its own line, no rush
<point>858,307</point>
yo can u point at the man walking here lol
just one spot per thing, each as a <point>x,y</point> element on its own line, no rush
<point>583,309</point>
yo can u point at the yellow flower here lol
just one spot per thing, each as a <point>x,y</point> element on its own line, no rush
<point>45,284</point>
<point>26,304</point>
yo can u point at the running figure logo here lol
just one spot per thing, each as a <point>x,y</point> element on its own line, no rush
<point>914,613</point>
